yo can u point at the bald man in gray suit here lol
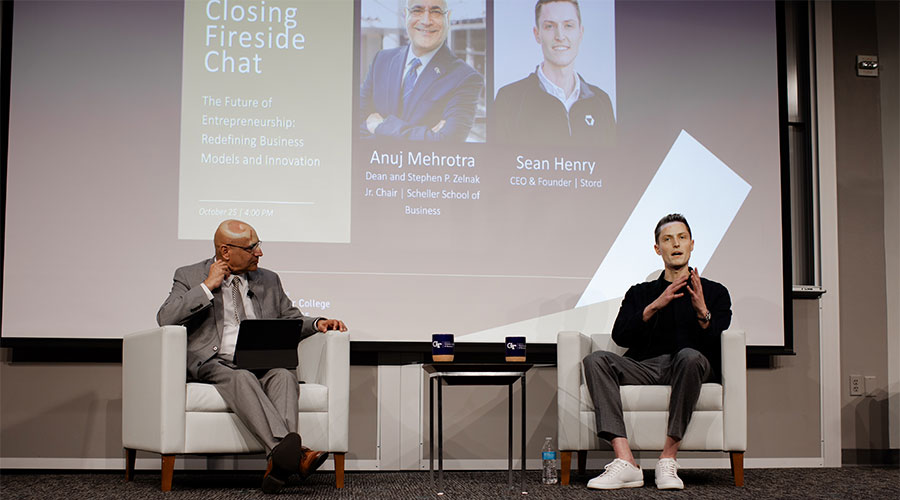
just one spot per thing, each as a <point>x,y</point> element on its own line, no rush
<point>210,298</point>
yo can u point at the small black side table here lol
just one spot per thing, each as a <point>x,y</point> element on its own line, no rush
<point>473,374</point>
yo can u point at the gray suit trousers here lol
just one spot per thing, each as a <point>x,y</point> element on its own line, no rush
<point>266,405</point>
<point>605,372</point>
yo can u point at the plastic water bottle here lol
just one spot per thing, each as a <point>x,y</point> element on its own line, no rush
<point>548,459</point>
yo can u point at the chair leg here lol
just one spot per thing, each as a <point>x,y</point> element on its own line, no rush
<point>565,467</point>
<point>339,470</point>
<point>737,467</point>
<point>168,469</point>
<point>582,461</point>
<point>130,455</point>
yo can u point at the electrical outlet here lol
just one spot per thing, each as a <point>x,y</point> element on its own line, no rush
<point>870,385</point>
<point>856,385</point>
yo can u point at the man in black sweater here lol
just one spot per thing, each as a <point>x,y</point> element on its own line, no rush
<point>672,329</point>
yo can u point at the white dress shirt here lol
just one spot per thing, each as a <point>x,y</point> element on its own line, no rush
<point>230,325</point>
<point>424,59</point>
<point>557,91</point>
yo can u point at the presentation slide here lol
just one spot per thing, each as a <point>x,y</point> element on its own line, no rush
<point>256,134</point>
<point>473,167</point>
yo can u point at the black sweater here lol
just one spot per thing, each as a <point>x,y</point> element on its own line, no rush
<point>675,326</point>
<point>524,113</point>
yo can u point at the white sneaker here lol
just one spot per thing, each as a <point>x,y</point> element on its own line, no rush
<point>618,474</point>
<point>667,475</point>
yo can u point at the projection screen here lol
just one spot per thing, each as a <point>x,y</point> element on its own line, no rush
<point>136,127</point>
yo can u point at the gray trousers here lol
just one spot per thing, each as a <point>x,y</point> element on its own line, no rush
<point>605,372</point>
<point>266,405</point>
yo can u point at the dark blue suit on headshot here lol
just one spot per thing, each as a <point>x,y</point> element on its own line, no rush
<point>447,89</point>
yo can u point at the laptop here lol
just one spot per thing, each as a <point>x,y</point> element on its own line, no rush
<point>263,344</point>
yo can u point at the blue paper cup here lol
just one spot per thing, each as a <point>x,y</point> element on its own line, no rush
<point>515,349</point>
<point>442,347</point>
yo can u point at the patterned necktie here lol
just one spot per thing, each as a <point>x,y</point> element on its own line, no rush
<point>409,82</point>
<point>237,300</point>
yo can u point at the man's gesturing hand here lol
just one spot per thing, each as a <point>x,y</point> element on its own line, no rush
<point>695,289</point>
<point>323,325</point>
<point>217,273</point>
<point>668,295</point>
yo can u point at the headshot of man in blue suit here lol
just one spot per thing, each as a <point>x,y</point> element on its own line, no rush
<point>420,91</point>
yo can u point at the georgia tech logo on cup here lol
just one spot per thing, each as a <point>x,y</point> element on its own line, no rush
<point>589,119</point>
<point>515,349</point>
<point>442,346</point>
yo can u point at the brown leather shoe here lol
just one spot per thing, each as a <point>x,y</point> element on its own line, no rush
<point>284,459</point>
<point>311,461</point>
<point>271,483</point>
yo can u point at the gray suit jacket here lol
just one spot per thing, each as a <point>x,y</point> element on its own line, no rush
<point>189,306</point>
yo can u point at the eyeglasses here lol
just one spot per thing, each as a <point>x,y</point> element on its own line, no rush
<point>252,248</point>
<point>419,11</point>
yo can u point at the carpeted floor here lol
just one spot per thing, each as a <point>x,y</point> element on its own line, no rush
<point>857,483</point>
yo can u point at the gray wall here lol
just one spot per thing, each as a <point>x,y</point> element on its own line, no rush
<point>861,214</point>
<point>73,410</point>
<point>888,15</point>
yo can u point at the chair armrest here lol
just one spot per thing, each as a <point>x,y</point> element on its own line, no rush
<point>571,348</point>
<point>154,372</point>
<point>325,359</point>
<point>734,388</point>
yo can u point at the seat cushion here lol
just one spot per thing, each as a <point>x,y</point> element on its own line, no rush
<point>202,397</point>
<point>656,398</point>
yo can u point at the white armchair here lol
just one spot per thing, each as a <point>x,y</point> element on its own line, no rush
<point>719,421</point>
<point>165,414</point>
